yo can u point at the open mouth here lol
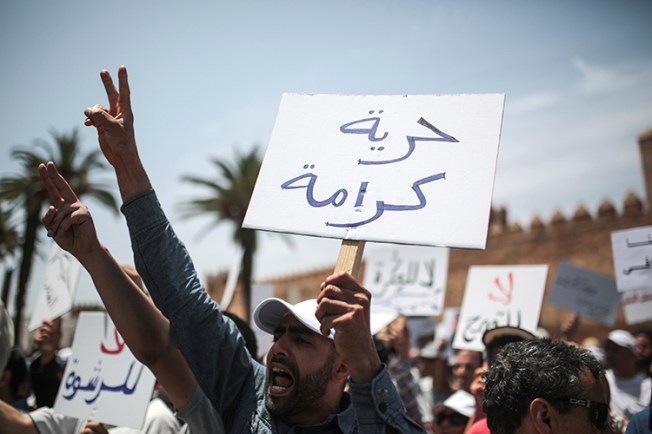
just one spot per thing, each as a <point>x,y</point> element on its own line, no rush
<point>281,381</point>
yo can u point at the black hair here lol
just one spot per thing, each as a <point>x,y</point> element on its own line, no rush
<point>539,368</point>
<point>499,342</point>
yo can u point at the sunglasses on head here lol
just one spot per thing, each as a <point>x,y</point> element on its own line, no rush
<point>598,411</point>
<point>454,418</point>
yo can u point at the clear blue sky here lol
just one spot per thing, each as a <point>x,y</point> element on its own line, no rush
<point>207,77</point>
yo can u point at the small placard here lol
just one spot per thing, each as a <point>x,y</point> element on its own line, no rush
<point>58,290</point>
<point>408,279</point>
<point>589,294</point>
<point>632,250</point>
<point>637,305</point>
<point>103,381</point>
<point>506,295</point>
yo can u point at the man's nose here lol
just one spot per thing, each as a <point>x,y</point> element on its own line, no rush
<point>280,347</point>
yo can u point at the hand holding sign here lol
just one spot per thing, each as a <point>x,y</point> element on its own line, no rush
<point>344,305</point>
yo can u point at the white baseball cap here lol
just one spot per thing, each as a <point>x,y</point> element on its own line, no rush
<point>623,338</point>
<point>269,313</point>
<point>462,402</point>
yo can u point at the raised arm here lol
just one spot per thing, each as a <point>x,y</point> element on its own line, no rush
<point>115,130</point>
<point>141,324</point>
<point>210,343</point>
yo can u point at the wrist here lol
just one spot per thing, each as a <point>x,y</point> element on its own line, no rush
<point>365,369</point>
<point>92,255</point>
<point>131,174</point>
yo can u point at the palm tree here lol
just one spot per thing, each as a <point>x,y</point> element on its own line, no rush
<point>228,200</point>
<point>26,191</point>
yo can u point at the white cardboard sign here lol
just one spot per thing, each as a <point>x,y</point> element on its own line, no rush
<point>103,381</point>
<point>637,305</point>
<point>409,279</point>
<point>587,293</point>
<point>415,169</point>
<point>505,295</point>
<point>56,295</point>
<point>632,251</point>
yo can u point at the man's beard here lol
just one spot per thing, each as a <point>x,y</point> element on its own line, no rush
<point>306,392</point>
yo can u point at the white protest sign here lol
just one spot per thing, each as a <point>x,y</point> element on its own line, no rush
<point>589,294</point>
<point>103,381</point>
<point>409,279</point>
<point>56,295</point>
<point>408,169</point>
<point>632,250</point>
<point>637,305</point>
<point>502,295</point>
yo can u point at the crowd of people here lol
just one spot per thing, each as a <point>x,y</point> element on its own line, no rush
<point>324,372</point>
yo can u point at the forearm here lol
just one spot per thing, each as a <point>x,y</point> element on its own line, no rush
<point>142,326</point>
<point>14,422</point>
<point>131,175</point>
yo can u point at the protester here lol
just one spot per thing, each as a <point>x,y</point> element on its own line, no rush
<point>14,381</point>
<point>449,379</point>
<point>318,346</point>
<point>630,390</point>
<point>396,340</point>
<point>494,340</point>
<point>546,386</point>
<point>452,416</point>
<point>644,350</point>
<point>143,327</point>
<point>47,364</point>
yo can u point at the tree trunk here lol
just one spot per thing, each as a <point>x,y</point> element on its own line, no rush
<point>248,245</point>
<point>27,254</point>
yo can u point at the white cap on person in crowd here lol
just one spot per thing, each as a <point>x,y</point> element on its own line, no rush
<point>624,339</point>
<point>462,402</point>
<point>269,313</point>
<point>6,336</point>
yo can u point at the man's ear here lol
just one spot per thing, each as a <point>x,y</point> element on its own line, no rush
<point>543,416</point>
<point>341,369</point>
